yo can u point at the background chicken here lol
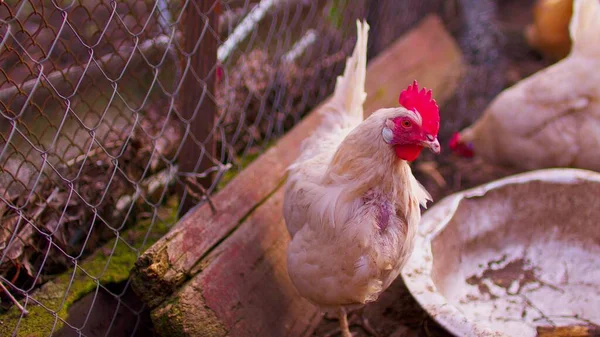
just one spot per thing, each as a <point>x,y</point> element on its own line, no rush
<point>351,202</point>
<point>552,118</point>
<point>549,31</point>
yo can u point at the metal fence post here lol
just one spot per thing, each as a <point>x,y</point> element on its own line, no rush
<point>199,14</point>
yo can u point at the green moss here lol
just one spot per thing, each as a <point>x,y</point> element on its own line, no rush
<point>168,319</point>
<point>336,12</point>
<point>186,314</point>
<point>230,174</point>
<point>243,163</point>
<point>109,264</point>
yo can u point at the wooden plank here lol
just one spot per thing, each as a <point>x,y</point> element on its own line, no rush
<point>390,19</point>
<point>568,331</point>
<point>243,288</point>
<point>427,53</point>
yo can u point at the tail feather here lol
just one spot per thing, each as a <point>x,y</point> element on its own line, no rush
<point>344,111</point>
<point>584,27</point>
<point>349,95</point>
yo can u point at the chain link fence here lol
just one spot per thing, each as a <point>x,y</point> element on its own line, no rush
<point>118,116</point>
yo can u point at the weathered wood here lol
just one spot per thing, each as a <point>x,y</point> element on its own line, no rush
<point>197,106</point>
<point>243,288</point>
<point>568,331</point>
<point>427,53</point>
<point>236,257</point>
<point>390,19</point>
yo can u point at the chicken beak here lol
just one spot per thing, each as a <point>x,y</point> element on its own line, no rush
<point>433,145</point>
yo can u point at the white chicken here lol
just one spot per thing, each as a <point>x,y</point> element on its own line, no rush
<point>351,202</point>
<point>551,118</point>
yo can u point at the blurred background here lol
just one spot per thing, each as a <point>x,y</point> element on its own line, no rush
<point>118,117</point>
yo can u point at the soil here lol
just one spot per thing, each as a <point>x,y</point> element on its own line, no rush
<point>106,314</point>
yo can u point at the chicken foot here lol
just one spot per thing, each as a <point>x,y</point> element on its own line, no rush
<point>343,318</point>
<point>357,317</point>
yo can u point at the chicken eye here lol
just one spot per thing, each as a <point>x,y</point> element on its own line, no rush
<point>406,124</point>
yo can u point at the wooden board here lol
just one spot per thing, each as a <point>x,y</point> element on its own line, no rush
<point>243,288</point>
<point>233,261</point>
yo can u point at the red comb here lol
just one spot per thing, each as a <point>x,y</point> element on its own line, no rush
<point>422,103</point>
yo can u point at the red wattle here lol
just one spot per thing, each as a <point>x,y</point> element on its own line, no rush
<point>408,152</point>
<point>460,148</point>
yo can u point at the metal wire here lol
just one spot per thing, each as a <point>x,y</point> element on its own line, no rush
<point>94,134</point>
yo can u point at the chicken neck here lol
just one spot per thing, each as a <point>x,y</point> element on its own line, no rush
<point>363,162</point>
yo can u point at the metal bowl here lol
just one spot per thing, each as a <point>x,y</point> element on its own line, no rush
<point>509,256</point>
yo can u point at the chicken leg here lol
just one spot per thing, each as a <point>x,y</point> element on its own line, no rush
<point>357,317</point>
<point>343,318</point>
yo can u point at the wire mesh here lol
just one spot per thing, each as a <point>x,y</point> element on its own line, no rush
<point>116,116</point>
